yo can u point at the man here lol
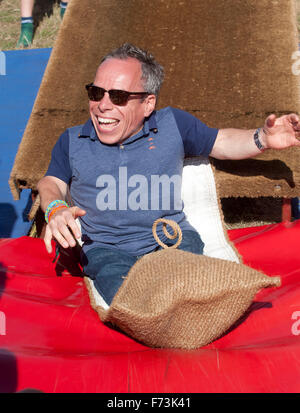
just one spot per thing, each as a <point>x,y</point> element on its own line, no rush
<point>123,167</point>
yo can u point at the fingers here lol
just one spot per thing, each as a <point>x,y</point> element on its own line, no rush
<point>63,228</point>
<point>64,236</point>
<point>47,239</point>
<point>294,118</point>
<point>270,121</point>
<point>285,121</point>
<point>74,228</point>
<point>77,212</point>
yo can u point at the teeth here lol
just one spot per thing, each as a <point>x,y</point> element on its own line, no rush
<point>106,121</point>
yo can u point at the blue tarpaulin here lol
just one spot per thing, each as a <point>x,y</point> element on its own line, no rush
<point>21,72</point>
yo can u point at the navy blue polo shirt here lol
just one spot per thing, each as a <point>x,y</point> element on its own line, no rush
<point>125,187</point>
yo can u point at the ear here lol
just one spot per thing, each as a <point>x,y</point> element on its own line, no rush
<point>149,105</point>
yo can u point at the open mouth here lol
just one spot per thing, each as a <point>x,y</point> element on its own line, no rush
<point>107,123</point>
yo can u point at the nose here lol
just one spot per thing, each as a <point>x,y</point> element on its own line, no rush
<point>105,103</point>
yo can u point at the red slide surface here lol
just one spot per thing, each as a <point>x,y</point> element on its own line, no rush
<point>52,340</point>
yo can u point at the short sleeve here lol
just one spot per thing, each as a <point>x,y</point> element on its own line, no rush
<point>198,138</point>
<point>60,164</point>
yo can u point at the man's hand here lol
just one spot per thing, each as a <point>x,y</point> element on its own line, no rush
<point>280,133</point>
<point>63,227</point>
<point>277,133</point>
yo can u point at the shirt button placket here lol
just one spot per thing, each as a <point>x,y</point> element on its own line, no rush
<point>123,155</point>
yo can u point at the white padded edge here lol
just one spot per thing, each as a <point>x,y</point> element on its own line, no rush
<point>99,300</point>
<point>202,209</point>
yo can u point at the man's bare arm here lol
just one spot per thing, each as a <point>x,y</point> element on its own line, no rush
<point>51,188</point>
<point>277,133</point>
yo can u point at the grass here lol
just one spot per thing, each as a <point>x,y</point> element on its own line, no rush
<point>237,213</point>
<point>47,22</point>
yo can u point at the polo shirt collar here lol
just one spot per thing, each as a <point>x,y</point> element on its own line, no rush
<point>88,131</point>
<point>150,125</point>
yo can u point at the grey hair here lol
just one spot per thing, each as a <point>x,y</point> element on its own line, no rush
<point>152,71</point>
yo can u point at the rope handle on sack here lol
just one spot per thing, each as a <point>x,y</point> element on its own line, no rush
<point>176,232</point>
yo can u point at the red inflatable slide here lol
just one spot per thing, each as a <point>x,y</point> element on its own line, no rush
<point>52,340</point>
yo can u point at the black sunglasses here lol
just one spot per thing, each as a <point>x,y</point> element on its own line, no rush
<point>118,97</point>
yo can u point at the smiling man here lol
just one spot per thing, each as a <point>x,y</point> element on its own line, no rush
<point>114,123</point>
<point>123,167</point>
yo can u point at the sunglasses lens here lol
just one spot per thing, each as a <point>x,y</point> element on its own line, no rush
<point>95,93</point>
<point>119,97</point>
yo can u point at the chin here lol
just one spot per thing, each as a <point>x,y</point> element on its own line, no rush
<point>109,140</point>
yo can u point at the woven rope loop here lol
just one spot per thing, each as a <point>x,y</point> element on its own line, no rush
<point>176,232</point>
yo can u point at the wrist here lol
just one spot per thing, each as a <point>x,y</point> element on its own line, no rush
<point>54,210</point>
<point>260,139</point>
<point>53,207</point>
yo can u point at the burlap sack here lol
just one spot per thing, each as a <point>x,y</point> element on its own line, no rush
<point>177,299</point>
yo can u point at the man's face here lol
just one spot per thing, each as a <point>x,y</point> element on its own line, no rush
<point>113,123</point>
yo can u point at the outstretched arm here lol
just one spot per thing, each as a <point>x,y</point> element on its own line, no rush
<point>62,225</point>
<point>277,133</point>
